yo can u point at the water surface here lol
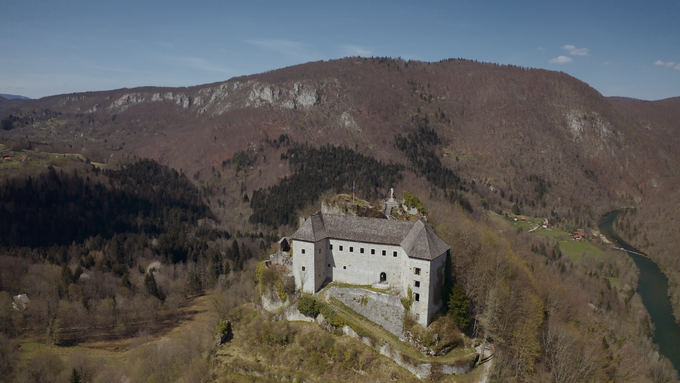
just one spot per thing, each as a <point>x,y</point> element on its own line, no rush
<point>653,289</point>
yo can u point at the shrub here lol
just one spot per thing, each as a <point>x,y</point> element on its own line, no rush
<point>408,300</point>
<point>331,316</point>
<point>458,306</point>
<point>267,279</point>
<point>223,328</point>
<point>412,200</point>
<point>308,305</point>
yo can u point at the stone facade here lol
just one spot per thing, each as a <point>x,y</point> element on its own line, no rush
<point>366,251</point>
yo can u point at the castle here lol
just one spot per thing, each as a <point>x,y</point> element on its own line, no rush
<point>366,251</point>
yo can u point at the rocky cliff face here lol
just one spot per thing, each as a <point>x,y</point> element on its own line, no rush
<point>215,99</point>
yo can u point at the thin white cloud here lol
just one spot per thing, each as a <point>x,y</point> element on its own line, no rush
<point>607,63</point>
<point>354,50</point>
<point>540,49</point>
<point>561,60</point>
<point>576,51</point>
<point>669,64</point>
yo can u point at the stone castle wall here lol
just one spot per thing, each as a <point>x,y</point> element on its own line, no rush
<point>383,309</point>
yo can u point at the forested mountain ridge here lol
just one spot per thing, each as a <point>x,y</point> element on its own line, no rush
<point>498,125</point>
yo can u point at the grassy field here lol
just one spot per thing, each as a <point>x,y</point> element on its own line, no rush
<point>116,353</point>
<point>42,159</point>
<point>572,249</point>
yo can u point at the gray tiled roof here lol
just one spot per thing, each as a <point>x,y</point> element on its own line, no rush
<point>416,238</point>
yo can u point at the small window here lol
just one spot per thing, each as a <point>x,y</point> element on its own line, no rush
<point>319,251</point>
<point>417,271</point>
<point>340,247</point>
<point>417,297</point>
<point>372,251</point>
<point>361,250</point>
<point>351,249</point>
<point>416,283</point>
<point>329,265</point>
<point>394,254</point>
<point>331,247</point>
<point>303,251</point>
<point>344,267</point>
<point>417,316</point>
<point>384,252</point>
<point>303,268</point>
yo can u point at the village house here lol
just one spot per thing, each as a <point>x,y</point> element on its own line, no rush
<point>20,302</point>
<point>369,251</point>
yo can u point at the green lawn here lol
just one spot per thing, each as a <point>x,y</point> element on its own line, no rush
<point>40,159</point>
<point>574,250</point>
<point>553,233</point>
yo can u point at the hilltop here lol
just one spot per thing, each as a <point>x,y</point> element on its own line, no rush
<point>503,128</point>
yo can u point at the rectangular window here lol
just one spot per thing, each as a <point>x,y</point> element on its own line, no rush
<point>303,268</point>
<point>394,254</point>
<point>340,247</point>
<point>331,247</point>
<point>417,271</point>
<point>417,297</point>
<point>372,251</point>
<point>303,251</point>
<point>351,249</point>
<point>329,265</point>
<point>416,283</point>
<point>319,251</point>
<point>417,316</point>
<point>344,267</point>
<point>361,250</point>
<point>384,252</point>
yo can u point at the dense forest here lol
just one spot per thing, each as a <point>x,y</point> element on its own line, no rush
<point>419,150</point>
<point>58,208</point>
<point>318,170</point>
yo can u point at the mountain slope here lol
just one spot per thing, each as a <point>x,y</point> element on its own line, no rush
<point>500,126</point>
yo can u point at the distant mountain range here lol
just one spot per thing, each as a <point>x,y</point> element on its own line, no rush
<point>13,96</point>
<point>550,142</point>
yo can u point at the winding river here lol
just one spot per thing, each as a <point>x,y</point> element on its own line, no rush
<point>653,289</point>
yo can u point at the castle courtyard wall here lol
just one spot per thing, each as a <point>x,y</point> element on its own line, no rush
<point>347,264</point>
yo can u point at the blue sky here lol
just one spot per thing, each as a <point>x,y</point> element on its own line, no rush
<point>621,48</point>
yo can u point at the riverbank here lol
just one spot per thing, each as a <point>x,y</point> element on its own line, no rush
<point>653,289</point>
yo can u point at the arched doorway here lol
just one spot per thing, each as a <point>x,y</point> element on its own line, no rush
<point>383,277</point>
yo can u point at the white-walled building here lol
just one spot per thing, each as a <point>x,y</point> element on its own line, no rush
<point>366,251</point>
